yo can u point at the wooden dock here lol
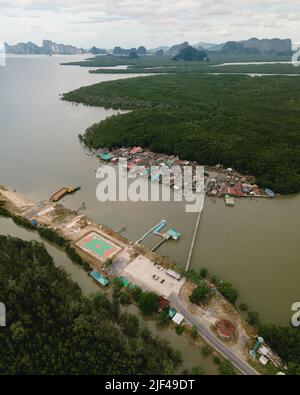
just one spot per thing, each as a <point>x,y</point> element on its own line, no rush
<point>158,245</point>
<point>163,221</point>
<point>164,237</point>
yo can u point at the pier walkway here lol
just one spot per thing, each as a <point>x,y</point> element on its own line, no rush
<point>159,226</point>
<point>193,241</point>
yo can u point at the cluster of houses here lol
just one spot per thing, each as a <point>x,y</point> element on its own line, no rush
<point>135,156</point>
<point>217,181</point>
<point>224,182</point>
<point>152,165</point>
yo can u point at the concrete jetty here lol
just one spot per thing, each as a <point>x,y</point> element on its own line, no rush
<point>193,241</point>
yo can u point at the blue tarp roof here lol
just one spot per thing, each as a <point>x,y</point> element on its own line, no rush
<point>99,278</point>
<point>159,227</point>
<point>172,312</point>
<point>106,156</point>
<point>174,234</point>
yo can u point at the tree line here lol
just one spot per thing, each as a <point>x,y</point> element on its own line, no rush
<point>251,124</point>
<point>53,329</point>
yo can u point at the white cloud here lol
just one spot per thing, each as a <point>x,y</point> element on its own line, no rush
<point>151,22</point>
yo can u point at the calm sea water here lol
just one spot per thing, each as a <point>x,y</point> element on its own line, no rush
<point>254,245</point>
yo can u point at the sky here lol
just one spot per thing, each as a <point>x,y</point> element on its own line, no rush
<point>130,23</point>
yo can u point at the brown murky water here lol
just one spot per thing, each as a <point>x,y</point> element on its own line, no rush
<point>254,245</point>
<point>191,355</point>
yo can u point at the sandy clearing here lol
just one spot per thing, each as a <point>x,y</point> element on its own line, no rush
<point>17,200</point>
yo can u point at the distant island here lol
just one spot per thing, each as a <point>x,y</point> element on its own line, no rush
<point>141,50</point>
<point>48,48</point>
<point>191,54</point>
<point>97,51</point>
<point>175,49</point>
<point>253,46</point>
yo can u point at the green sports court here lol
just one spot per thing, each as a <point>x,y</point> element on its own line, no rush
<point>98,246</point>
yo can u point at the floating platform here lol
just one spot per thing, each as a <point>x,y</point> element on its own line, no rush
<point>174,234</point>
<point>160,225</point>
<point>170,234</point>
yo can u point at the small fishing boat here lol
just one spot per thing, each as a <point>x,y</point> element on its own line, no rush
<point>72,189</point>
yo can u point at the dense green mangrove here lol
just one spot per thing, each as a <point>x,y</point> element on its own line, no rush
<point>51,328</point>
<point>251,124</point>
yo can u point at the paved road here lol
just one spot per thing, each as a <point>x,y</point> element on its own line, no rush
<point>243,366</point>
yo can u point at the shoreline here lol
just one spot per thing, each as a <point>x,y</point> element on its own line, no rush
<point>24,202</point>
<point>218,181</point>
<point>64,221</point>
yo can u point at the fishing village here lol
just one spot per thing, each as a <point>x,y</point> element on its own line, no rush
<point>218,181</point>
<point>149,191</point>
<point>109,256</point>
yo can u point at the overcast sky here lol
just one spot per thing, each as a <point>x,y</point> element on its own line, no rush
<point>129,23</point>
